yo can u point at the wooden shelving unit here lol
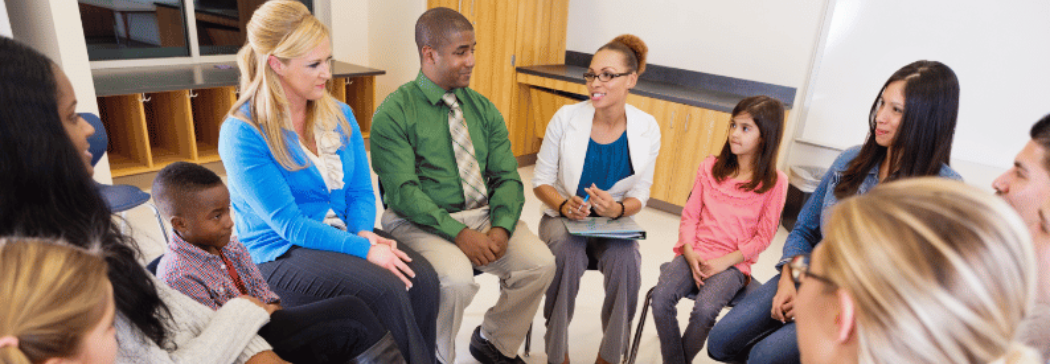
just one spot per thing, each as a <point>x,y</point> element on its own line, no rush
<point>161,115</point>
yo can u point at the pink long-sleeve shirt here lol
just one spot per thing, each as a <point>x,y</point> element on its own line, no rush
<point>720,218</point>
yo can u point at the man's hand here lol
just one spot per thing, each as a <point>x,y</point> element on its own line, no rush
<point>478,247</point>
<point>500,237</point>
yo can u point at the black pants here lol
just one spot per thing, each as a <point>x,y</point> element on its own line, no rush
<point>334,330</point>
<point>302,276</point>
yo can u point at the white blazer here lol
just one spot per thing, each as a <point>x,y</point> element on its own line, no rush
<point>560,160</point>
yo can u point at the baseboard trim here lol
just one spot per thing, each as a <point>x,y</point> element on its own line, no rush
<point>664,206</point>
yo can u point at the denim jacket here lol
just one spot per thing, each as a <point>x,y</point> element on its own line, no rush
<point>809,228</point>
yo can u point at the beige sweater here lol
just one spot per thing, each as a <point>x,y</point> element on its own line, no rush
<point>200,334</point>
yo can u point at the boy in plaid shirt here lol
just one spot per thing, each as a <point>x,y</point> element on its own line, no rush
<point>204,262</point>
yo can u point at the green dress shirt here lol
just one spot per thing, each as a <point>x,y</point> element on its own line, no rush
<point>412,154</point>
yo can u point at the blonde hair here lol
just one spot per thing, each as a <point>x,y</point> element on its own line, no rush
<point>940,272</point>
<point>284,29</point>
<point>51,295</point>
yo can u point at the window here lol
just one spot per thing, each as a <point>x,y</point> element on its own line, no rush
<point>128,29</point>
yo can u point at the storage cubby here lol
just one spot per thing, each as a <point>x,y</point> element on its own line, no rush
<point>210,107</point>
<point>360,94</point>
<point>125,122</point>
<point>170,127</point>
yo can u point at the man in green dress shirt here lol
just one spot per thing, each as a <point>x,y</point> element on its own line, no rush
<point>454,194</point>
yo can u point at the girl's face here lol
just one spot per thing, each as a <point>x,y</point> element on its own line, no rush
<point>744,137</point>
<point>304,78</point>
<point>77,128</point>
<point>888,113</point>
<point>614,91</point>
<point>99,346</point>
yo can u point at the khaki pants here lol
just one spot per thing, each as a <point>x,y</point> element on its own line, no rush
<point>525,271</point>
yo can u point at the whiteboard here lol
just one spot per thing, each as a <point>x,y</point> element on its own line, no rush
<point>999,50</point>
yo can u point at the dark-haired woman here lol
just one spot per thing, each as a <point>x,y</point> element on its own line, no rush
<point>46,191</point>
<point>912,123</point>
<point>597,159</point>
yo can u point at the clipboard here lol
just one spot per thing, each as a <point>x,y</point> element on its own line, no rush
<point>604,227</point>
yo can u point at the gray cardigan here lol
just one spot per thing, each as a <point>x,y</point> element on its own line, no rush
<point>201,335</point>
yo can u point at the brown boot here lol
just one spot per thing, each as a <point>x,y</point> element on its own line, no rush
<point>600,360</point>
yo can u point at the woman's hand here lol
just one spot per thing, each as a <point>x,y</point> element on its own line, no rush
<point>266,357</point>
<point>784,301</point>
<point>374,239</point>
<point>603,203</point>
<point>393,260</point>
<point>714,266</point>
<point>694,264</point>
<point>269,308</point>
<point>576,209</point>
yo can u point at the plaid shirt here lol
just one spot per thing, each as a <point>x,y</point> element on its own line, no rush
<point>203,276</point>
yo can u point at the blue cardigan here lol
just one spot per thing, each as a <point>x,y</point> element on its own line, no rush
<point>276,208</point>
<point>809,228</point>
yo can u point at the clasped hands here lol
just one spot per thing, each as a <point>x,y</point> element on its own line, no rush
<point>704,269</point>
<point>601,201</point>
<point>483,248</point>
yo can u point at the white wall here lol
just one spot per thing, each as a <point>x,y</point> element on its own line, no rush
<point>350,29</point>
<point>34,23</point>
<point>760,40</point>
<point>391,42</point>
<point>5,24</point>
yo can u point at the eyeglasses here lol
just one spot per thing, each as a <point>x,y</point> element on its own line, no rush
<point>799,268</point>
<point>604,76</point>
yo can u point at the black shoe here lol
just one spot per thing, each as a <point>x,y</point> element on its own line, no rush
<point>384,351</point>
<point>486,353</point>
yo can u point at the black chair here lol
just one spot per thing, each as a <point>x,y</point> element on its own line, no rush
<point>632,348</point>
<point>119,198</point>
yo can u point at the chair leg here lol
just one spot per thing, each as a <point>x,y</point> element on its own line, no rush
<point>528,341</point>
<point>633,347</point>
<point>160,222</point>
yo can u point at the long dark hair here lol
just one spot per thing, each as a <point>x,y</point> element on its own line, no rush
<point>46,192</point>
<point>768,114</point>
<point>924,136</point>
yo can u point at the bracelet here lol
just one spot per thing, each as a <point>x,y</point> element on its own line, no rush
<point>623,210</point>
<point>562,206</point>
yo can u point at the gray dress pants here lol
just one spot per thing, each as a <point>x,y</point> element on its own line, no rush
<point>618,260</point>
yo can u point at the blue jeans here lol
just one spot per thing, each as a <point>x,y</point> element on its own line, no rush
<point>748,333</point>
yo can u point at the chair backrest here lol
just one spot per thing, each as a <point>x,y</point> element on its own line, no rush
<point>99,141</point>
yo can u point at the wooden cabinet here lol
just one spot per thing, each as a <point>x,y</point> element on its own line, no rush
<point>150,130</point>
<point>510,34</point>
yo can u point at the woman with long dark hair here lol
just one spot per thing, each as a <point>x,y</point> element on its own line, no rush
<point>46,191</point>
<point>911,126</point>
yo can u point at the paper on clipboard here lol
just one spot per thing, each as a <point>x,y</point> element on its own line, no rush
<point>604,227</point>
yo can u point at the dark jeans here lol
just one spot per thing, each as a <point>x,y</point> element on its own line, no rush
<point>749,333</point>
<point>301,276</point>
<point>676,282</point>
<point>334,330</point>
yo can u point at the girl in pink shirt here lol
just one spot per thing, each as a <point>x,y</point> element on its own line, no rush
<point>731,217</point>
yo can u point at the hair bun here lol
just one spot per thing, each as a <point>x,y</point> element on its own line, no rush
<point>637,46</point>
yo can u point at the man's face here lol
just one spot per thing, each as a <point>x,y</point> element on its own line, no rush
<point>1026,185</point>
<point>454,62</point>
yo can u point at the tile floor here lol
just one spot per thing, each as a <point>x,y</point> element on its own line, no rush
<point>662,230</point>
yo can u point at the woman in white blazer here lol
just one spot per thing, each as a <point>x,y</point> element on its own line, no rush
<point>597,159</point>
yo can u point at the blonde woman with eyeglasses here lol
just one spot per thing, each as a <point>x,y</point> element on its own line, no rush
<point>917,271</point>
<point>301,187</point>
<point>56,304</point>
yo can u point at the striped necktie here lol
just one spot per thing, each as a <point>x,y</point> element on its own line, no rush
<point>474,192</point>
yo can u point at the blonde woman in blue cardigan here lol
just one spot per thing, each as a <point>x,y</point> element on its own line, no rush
<point>301,188</point>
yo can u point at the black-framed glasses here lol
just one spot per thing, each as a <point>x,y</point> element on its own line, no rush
<point>604,76</point>
<point>799,268</point>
